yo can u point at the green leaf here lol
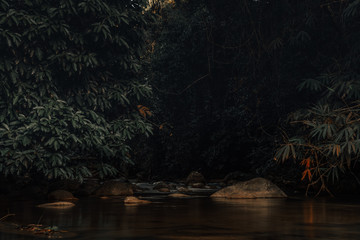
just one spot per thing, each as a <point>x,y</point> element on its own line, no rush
<point>26,141</point>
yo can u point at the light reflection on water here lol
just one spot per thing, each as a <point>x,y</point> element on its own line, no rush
<point>199,218</point>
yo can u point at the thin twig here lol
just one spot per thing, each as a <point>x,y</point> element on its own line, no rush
<point>186,88</point>
<point>40,218</point>
<point>6,216</point>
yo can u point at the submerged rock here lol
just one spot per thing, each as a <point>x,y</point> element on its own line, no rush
<point>114,188</point>
<point>178,195</point>
<point>254,188</point>
<point>135,200</point>
<point>60,205</point>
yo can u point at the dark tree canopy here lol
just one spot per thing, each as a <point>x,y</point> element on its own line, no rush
<point>70,82</point>
<point>223,82</point>
<point>227,74</point>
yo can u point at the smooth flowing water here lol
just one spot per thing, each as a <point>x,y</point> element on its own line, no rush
<point>197,218</point>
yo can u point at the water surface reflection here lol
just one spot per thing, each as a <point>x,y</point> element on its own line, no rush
<point>199,218</point>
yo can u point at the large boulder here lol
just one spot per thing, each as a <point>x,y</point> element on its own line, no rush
<point>195,179</point>
<point>61,195</point>
<point>254,188</point>
<point>115,188</point>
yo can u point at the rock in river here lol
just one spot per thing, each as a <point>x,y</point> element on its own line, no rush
<point>61,195</point>
<point>195,178</point>
<point>183,189</point>
<point>161,185</point>
<point>57,205</point>
<point>198,185</point>
<point>164,190</point>
<point>178,195</point>
<point>254,188</point>
<point>135,200</point>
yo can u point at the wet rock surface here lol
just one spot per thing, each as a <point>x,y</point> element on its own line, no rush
<point>254,188</point>
<point>164,189</point>
<point>135,200</point>
<point>57,205</point>
<point>182,189</point>
<point>197,185</point>
<point>178,195</point>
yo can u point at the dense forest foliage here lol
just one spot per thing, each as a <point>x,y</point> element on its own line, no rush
<point>71,79</point>
<point>88,87</point>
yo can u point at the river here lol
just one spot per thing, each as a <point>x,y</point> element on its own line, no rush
<point>195,218</point>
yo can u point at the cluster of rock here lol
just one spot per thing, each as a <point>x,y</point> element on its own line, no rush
<point>195,184</point>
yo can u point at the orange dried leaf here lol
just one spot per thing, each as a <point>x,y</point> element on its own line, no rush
<point>306,162</point>
<point>144,111</point>
<point>308,173</point>
<point>303,175</point>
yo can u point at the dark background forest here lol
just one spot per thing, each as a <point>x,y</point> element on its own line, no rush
<point>157,89</point>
